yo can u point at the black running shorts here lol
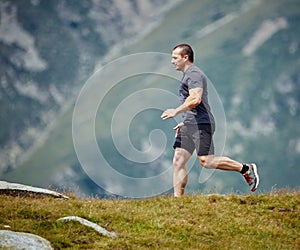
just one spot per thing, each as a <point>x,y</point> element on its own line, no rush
<point>198,136</point>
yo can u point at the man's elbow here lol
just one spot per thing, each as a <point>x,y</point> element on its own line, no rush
<point>195,103</point>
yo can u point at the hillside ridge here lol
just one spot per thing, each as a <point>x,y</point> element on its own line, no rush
<point>195,221</point>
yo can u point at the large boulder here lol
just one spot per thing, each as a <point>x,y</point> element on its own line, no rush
<point>18,240</point>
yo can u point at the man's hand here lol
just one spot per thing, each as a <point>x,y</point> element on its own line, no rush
<point>177,128</point>
<point>169,113</point>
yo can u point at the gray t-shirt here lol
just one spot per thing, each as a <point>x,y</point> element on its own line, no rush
<point>201,114</point>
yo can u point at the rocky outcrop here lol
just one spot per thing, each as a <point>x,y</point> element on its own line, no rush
<point>18,240</point>
<point>20,189</point>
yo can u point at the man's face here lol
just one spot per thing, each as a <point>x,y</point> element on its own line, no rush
<point>178,60</point>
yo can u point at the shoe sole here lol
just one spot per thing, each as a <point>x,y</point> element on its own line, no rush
<point>256,180</point>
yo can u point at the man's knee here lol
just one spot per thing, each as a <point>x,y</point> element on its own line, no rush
<point>178,161</point>
<point>206,161</point>
<point>180,158</point>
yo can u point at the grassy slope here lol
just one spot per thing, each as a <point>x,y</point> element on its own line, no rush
<point>219,54</point>
<point>266,221</point>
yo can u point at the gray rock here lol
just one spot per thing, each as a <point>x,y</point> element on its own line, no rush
<point>18,189</point>
<point>19,240</point>
<point>87,223</point>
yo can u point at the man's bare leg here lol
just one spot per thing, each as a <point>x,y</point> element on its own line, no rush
<point>249,171</point>
<point>180,176</point>
<point>220,162</point>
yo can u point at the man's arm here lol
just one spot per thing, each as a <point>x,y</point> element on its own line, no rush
<point>193,100</point>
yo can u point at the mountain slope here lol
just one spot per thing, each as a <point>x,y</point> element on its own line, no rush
<point>47,49</point>
<point>249,50</point>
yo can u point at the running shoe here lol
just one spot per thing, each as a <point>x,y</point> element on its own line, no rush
<point>251,176</point>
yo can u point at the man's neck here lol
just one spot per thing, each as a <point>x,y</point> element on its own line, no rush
<point>189,64</point>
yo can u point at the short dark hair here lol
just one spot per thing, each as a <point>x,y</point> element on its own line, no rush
<point>186,50</point>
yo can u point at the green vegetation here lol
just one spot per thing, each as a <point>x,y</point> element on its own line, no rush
<point>263,221</point>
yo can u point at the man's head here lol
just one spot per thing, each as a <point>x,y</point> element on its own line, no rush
<point>182,56</point>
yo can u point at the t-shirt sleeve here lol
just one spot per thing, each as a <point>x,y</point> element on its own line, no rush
<point>195,80</point>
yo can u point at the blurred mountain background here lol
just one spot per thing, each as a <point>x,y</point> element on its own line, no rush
<point>248,49</point>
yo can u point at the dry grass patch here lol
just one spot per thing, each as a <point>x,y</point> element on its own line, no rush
<point>263,221</point>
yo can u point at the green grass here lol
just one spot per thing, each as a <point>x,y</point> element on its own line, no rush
<point>263,221</point>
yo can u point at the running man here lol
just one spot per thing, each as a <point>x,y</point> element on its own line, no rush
<point>198,126</point>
